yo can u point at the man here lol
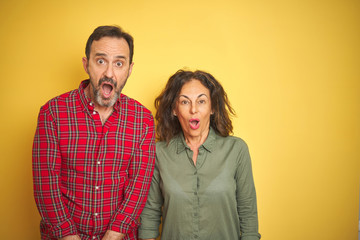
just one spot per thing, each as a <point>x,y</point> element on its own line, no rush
<point>93,152</point>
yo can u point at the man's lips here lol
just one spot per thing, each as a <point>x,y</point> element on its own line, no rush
<point>107,89</point>
<point>194,123</point>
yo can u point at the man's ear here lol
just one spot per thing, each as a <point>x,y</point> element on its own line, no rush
<point>85,64</point>
<point>130,68</point>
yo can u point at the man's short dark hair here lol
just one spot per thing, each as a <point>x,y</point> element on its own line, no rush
<point>109,31</point>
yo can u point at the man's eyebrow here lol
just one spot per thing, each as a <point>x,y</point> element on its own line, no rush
<point>120,56</point>
<point>104,55</point>
<point>100,54</point>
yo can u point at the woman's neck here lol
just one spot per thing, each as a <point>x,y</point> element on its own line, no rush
<point>196,141</point>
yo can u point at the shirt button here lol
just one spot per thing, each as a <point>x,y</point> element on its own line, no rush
<point>91,105</point>
<point>98,162</point>
<point>94,237</point>
<point>95,214</point>
<point>94,112</point>
<point>97,187</point>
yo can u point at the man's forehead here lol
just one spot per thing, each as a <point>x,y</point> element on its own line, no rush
<point>110,45</point>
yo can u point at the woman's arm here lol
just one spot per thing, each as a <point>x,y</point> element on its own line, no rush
<point>246,196</point>
<point>150,217</point>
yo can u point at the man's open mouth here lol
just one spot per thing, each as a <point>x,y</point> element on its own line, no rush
<point>107,89</point>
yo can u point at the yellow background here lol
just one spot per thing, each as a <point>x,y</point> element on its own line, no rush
<point>290,68</point>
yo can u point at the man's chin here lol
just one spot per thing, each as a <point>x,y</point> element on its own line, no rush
<point>107,102</point>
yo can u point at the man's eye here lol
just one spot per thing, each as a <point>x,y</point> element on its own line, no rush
<point>101,61</point>
<point>119,64</point>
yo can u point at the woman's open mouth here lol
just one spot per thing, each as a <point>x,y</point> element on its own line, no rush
<point>194,123</point>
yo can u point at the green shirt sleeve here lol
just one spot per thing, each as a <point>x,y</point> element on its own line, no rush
<point>151,216</point>
<point>246,196</point>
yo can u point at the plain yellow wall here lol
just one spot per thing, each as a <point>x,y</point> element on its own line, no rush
<point>290,68</point>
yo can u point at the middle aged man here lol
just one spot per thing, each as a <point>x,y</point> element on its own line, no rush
<point>94,150</point>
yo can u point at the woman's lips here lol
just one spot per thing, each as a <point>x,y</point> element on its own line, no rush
<point>194,123</point>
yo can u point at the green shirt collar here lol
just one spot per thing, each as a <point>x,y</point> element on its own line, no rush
<point>207,145</point>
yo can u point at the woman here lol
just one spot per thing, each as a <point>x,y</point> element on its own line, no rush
<point>202,186</point>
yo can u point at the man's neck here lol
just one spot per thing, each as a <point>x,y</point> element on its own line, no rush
<point>103,111</point>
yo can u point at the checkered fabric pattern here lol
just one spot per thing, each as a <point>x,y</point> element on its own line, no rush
<point>89,177</point>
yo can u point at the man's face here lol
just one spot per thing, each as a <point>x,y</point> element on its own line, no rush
<point>108,67</point>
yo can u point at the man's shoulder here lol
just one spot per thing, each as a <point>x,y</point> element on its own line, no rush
<point>131,104</point>
<point>61,100</point>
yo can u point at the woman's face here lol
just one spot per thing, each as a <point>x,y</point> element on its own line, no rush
<point>193,109</point>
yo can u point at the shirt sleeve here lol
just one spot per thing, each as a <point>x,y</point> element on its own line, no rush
<point>46,162</point>
<point>139,172</point>
<point>150,218</point>
<point>246,196</point>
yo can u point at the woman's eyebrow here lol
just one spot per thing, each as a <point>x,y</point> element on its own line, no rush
<point>202,94</point>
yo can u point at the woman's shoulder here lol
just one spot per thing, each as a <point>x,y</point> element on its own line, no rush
<point>231,140</point>
<point>161,144</point>
<point>173,142</point>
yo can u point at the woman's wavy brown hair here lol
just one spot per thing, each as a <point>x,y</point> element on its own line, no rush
<point>169,126</point>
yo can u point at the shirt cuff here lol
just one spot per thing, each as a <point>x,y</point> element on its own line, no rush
<point>254,236</point>
<point>64,229</point>
<point>146,234</point>
<point>123,224</point>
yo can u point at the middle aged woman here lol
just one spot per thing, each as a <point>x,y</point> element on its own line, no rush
<point>202,186</point>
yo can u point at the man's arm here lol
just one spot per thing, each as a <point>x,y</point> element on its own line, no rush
<point>70,237</point>
<point>112,235</point>
<point>46,178</point>
<point>140,171</point>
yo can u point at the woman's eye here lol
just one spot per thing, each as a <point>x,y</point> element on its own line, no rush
<point>184,102</point>
<point>101,61</point>
<point>201,101</point>
<point>119,64</point>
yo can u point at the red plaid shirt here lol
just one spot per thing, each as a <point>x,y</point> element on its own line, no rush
<point>89,177</point>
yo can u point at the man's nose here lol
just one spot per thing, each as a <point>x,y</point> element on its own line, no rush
<point>109,71</point>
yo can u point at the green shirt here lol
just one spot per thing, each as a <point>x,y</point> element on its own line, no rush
<point>214,199</point>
